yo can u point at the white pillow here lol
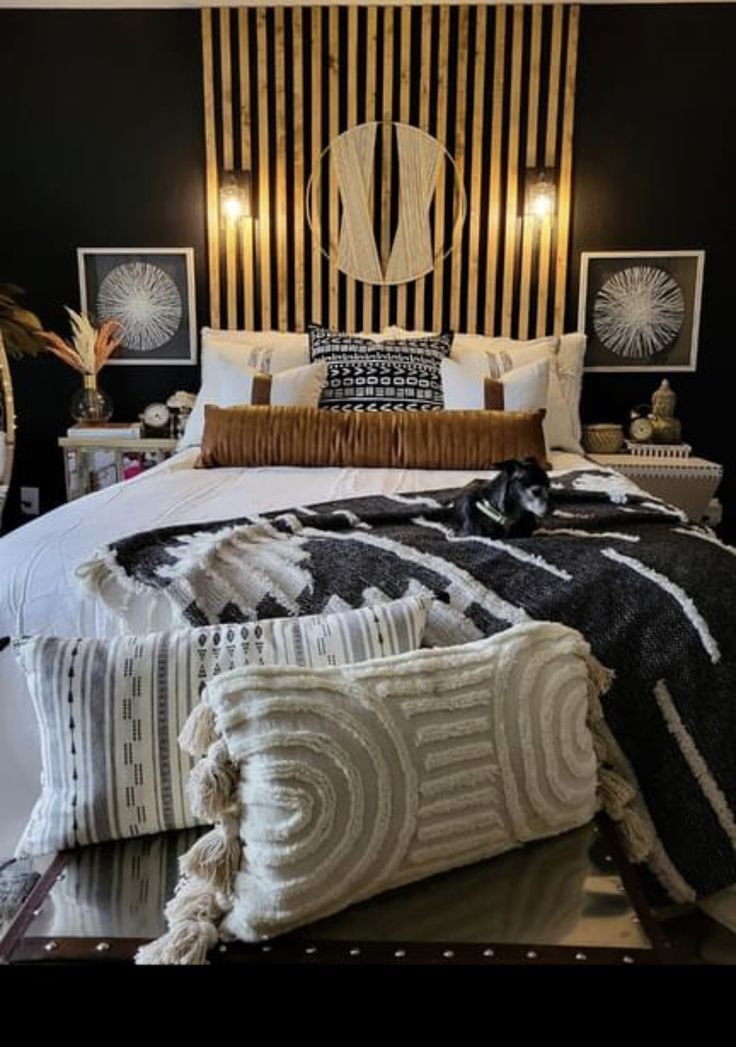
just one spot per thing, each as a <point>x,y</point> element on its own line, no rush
<point>524,388</point>
<point>562,425</point>
<point>349,781</point>
<point>269,351</point>
<point>116,770</point>
<point>229,383</point>
<point>570,362</point>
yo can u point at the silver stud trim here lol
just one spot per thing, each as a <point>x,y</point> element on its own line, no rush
<point>448,954</point>
<point>400,954</point>
<point>102,947</point>
<point>50,946</point>
<point>531,954</point>
<point>627,959</point>
<point>580,956</point>
<point>355,951</point>
<point>310,950</point>
<point>266,948</point>
<point>222,948</point>
<point>489,953</point>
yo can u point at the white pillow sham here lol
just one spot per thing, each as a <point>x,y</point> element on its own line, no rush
<point>524,388</point>
<point>229,383</point>
<point>562,424</point>
<point>110,711</point>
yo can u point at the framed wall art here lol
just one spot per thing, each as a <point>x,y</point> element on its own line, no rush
<point>151,292</point>
<point>641,309</point>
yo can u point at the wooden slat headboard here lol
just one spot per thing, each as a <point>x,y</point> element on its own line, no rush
<point>495,85</point>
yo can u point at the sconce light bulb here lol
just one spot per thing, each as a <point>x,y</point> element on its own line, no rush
<point>543,204</point>
<point>232,208</point>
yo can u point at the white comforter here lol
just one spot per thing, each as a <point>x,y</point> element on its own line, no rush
<point>40,594</point>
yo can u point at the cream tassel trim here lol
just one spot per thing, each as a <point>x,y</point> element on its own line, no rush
<point>214,858</point>
<point>187,942</point>
<point>615,791</point>
<point>195,900</point>
<point>199,732</point>
<point>211,784</point>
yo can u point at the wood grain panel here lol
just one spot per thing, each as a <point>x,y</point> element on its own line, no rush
<point>494,84</point>
<point>550,156</point>
<point>211,177</point>
<point>565,178</point>
<point>246,233</point>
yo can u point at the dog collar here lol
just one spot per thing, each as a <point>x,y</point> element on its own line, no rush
<point>492,513</point>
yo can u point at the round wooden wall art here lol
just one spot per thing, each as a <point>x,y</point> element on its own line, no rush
<point>383,191</point>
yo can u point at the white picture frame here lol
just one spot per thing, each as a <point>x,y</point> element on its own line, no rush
<point>685,268</point>
<point>166,274</point>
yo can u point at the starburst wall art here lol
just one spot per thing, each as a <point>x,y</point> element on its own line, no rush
<point>641,309</point>
<point>150,292</point>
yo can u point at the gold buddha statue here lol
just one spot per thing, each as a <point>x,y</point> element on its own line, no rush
<point>666,428</point>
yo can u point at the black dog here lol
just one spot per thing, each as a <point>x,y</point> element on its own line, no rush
<point>507,506</point>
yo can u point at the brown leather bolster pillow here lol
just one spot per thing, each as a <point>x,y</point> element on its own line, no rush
<point>308,436</point>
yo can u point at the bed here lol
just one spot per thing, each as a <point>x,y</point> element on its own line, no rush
<point>40,593</point>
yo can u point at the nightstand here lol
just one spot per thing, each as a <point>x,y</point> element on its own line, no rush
<point>688,483</point>
<point>90,465</point>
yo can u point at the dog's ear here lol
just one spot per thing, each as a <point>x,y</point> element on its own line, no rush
<point>509,466</point>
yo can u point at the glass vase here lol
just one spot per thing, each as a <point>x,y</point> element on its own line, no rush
<point>90,403</point>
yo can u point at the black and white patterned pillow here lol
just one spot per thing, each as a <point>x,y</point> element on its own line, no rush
<point>363,375</point>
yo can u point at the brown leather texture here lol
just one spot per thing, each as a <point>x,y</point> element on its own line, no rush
<point>308,436</point>
<point>493,398</point>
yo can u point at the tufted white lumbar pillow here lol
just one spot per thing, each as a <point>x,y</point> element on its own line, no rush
<point>344,782</point>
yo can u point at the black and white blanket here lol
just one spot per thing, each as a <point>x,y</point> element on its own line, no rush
<point>654,596</point>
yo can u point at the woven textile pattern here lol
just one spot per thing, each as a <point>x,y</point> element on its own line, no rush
<point>363,375</point>
<point>110,711</point>
<point>652,595</point>
<point>360,779</point>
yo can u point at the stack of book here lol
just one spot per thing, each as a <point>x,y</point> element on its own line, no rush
<point>105,430</point>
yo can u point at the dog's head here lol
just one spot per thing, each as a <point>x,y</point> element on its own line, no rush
<point>527,484</point>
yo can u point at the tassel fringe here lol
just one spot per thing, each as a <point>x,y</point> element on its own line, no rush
<point>213,859</point>
<point>616,793</point>
<point>211,784</point>
<point>199,732</point>
<point>196,901</point>
<point>187,942</point>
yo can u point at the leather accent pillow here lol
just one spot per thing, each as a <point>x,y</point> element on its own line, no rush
<point>522,389</point>
<point>305,436</point>
<point>228,383</point>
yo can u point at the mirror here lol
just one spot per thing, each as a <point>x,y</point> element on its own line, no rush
<point>7,428</point>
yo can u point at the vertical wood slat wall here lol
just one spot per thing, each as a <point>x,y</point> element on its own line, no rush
<point>495,84</point>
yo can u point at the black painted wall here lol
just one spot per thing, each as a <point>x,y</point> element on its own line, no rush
<point>102,145</point>
<point>654,169</point>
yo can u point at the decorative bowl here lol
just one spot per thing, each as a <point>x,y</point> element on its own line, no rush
<point>604,438</point>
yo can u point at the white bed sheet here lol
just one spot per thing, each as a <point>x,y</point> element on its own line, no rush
<point>39,593</point>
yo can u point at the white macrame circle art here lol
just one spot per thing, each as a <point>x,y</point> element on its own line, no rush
<point>639,312</point>
<point>145,300</point>
<point>351,156</point>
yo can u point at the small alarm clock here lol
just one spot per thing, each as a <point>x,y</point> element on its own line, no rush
<point>156,420</point>
<point>641,427</point>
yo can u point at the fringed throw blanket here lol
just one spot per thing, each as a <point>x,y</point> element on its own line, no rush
<point>654,596</point>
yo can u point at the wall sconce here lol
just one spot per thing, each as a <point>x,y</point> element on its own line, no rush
<point>540,193</point>
<point>235,195</point>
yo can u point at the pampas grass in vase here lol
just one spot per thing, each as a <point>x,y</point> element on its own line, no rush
<point>88,352</point>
